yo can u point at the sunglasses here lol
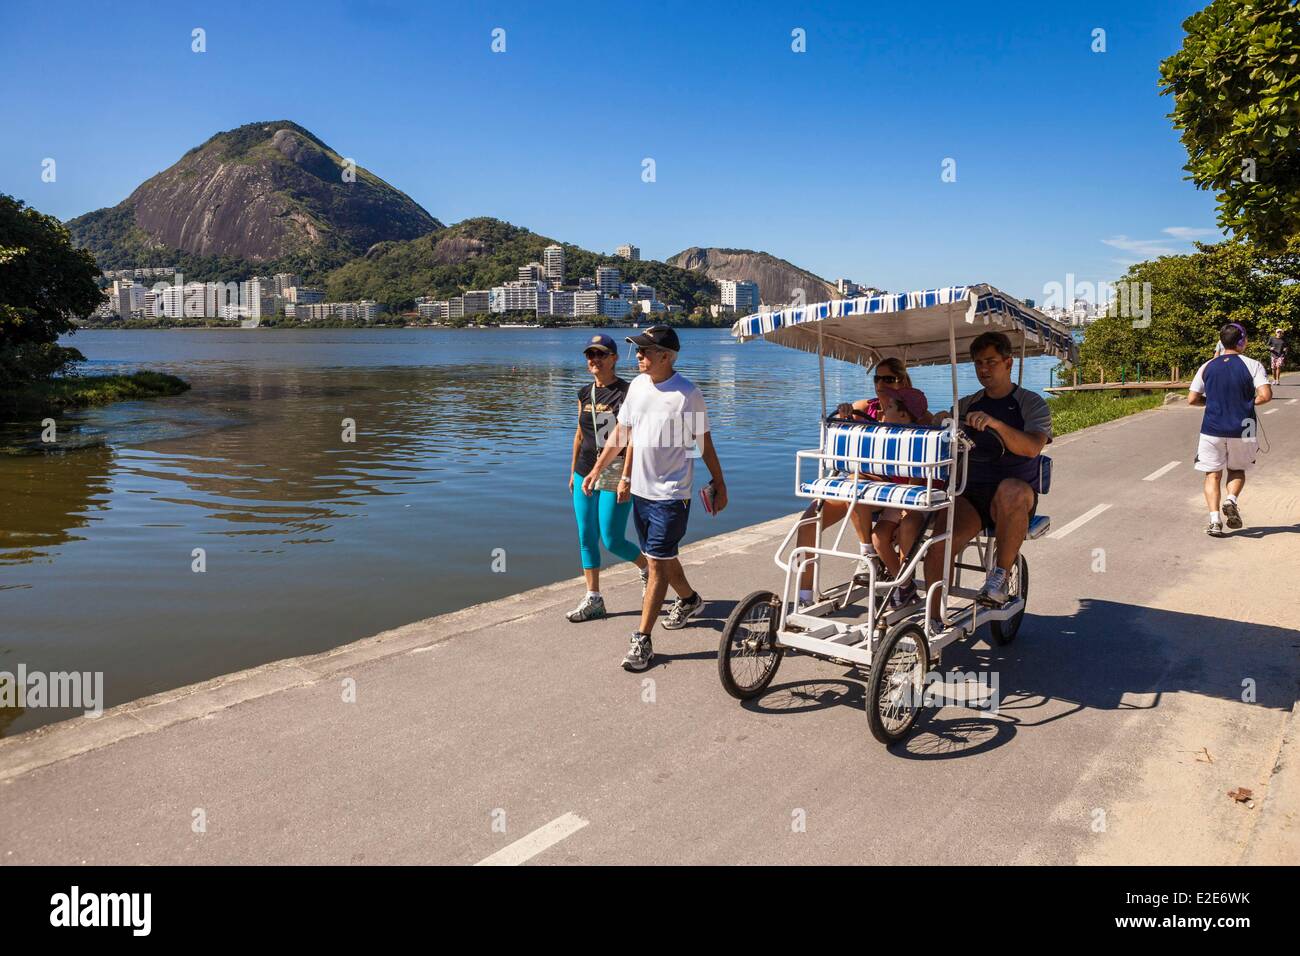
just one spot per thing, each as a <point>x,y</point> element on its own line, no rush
<point>595,354</point>
<point>887,379</point>
<point>646,352</point>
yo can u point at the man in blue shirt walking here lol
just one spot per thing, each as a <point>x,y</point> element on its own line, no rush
<point>1229,385</point>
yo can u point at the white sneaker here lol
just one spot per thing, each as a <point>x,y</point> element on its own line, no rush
<point>994,593</point>
<point>589,609</point>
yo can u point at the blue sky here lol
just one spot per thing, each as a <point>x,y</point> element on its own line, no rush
<point>831,158</point>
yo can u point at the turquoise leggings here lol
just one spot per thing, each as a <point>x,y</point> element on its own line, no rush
<point>601,518</point>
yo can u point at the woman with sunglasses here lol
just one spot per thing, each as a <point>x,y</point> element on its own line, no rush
<point>891,375</point>
<point>602,516</point>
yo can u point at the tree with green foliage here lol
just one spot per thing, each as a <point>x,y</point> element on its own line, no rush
<point>1191,298</point>
<point>44,284</point>
<point>1236,89</point>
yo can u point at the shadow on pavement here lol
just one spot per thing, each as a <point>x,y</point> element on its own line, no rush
<point>1107,656</point>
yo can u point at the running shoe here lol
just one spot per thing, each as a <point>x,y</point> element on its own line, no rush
<point>862,573</point>
<point>1214,529</point>
<point>902,596</point>
<point>994,593</point>
<point>591,608</point>
<point>639,653</point>
<point>645,582</point>
<point>683,610</point>
<point>1233,514</point>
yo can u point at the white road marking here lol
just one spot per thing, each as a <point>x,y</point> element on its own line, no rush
<point>1161,471</point>
<point>1078,522</point>
<point>1270,411</point>
<point>543,838</point>
<point>1293,401</point>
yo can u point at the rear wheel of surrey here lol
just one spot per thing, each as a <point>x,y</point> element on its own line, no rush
<point>1004,632</point>
<point>895,691</point>
<point>747,655</point>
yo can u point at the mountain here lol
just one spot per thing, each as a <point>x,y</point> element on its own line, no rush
<point>776,278</point>
<point>260,198</point>
<point>483,252</point>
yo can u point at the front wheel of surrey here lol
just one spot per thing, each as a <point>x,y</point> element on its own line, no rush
<point>1004,632</point>
<point>747,655</point>
<point>896,688</point>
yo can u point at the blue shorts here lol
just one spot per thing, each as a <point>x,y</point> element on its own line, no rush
<point>660,525</point>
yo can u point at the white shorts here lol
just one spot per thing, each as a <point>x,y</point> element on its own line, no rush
<point>1217,454</point>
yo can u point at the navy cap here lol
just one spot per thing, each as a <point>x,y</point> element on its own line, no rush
<point>657,335</point>
<point>602,343</point>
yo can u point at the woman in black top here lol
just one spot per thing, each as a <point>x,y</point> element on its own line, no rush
<point>602,516</point>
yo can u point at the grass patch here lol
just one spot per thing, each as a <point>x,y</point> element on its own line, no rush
<point>80,391</point>
<point>1075,410</point>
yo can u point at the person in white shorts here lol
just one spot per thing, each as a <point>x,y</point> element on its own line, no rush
<point>1229,385</point>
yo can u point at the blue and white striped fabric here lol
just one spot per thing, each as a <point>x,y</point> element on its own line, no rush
<point>889,447</point>
<point>913,326</point>
<point>886,494</point>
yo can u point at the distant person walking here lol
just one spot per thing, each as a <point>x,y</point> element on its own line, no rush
<point>1277,354</point>
<point>661,419</point>
<point>601,512</point>
<point>1229,385</point>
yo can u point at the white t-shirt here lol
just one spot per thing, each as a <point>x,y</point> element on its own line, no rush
<point>665,420</point>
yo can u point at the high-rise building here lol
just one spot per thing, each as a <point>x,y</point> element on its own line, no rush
<point>531,272</point>
<point>628,251</point>
<point>477,301</point>
<point>303,295</point>
<point>521,296</point>
<point>615,306</point>
<point>285,280</point>
<point>608,280</point>
<point>739,294</point>
<point>586,302</point>
<point>553,262</point>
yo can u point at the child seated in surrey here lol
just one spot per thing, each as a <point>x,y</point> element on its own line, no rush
<point>898,406</point>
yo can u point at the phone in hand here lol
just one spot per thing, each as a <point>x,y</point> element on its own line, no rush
<point>706,498</point>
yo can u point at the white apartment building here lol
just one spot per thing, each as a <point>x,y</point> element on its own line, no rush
<point>431,309</point>
<point>557,302</point>
<point>586,302</point>
<point>521,296</point>
<point>628,251</point>
<point>738,294</point>
<point>285,280</point>
<point>531,272</point>
<point>553,263</point>
<point>608,280</point>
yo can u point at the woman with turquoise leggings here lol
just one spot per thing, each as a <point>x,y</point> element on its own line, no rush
<point>602,518</point>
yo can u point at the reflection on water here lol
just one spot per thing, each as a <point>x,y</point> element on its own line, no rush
<point>462,446</point>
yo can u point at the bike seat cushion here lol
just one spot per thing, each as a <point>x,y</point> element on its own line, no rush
<point>886,494</point>
<point>894,451</point>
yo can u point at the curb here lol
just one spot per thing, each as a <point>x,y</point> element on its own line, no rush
<point>68,738</point>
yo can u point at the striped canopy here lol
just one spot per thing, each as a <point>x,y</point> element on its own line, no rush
<point>912,326</point>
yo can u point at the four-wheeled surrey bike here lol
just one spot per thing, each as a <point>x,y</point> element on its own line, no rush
<point>865,464</point>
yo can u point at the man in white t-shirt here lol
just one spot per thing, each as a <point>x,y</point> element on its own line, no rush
<point>1229,385</point>
<point>663,419</point>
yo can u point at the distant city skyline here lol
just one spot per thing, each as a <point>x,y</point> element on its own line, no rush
<point>832,158</point>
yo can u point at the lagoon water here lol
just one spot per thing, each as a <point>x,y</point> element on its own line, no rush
<point>462,447</point>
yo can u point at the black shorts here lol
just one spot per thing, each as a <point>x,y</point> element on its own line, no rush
<point>981,497</point>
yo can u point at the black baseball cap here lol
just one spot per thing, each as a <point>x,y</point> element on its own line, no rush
<point>660,336</point>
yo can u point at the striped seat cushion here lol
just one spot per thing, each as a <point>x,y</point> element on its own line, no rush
<point>881,493</point>
<point>889,446</point>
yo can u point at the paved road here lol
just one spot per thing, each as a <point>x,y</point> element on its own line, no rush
<point>503,734</point>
